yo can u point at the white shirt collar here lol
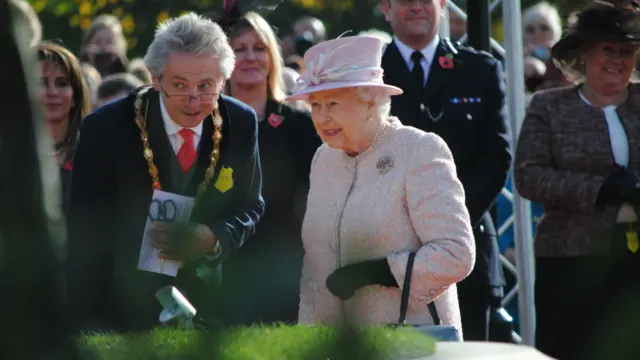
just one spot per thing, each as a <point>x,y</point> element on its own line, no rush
<point>171,126</point>
<point>429,51</point>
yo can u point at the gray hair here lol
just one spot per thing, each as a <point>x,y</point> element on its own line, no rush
<point>380,99</point>
<point>190,34</point>
<point>543,11</point>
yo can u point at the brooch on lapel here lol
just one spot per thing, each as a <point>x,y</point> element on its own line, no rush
<point>275,120</point>
<point>385,163</point>
<point>446,62</point>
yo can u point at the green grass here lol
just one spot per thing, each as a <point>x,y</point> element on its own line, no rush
<point>264,343</point>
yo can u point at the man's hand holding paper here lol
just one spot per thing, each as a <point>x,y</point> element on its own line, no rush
<point>181,242</point>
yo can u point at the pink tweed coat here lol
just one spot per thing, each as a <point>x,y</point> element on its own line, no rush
<point>400,195</point>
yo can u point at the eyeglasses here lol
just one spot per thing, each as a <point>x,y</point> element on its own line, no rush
<point>184,98</point>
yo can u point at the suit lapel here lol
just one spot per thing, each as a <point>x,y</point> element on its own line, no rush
<point>437,74</point>
<point>397,73</point>
<point>159,141</point>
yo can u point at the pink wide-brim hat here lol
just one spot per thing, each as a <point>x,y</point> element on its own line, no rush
<point>351,61</point>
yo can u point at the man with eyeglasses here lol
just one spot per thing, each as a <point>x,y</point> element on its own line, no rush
<point>182,137</point>
<point>459,94</point>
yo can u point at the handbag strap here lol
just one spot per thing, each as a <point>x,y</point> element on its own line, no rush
<point>406,290</point>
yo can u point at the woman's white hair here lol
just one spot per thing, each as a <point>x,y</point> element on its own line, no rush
<point>380,99</point>
<point>190,34</point>
<point>543,11</point>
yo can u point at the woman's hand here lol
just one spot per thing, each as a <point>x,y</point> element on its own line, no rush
<point>344,282</point>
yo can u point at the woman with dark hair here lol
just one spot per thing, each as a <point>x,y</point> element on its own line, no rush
<point>64,97</point>
<point>578,155</point>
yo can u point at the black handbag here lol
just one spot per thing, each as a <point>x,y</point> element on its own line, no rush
<point>438,331</point>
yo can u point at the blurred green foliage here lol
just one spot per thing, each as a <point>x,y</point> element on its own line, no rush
<point>66,19</point>
<point>264,343</point>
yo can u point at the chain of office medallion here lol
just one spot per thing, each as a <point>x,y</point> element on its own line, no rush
<point>148,153</point>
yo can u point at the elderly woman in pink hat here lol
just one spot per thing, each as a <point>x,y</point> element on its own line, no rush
<point>384,201</point>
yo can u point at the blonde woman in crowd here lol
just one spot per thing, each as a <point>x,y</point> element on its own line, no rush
<point>268,267</point>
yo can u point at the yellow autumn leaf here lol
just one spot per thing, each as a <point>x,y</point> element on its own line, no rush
<point>162,16</point>
<point>100,4</point>
<point>127,24</point>
<point>39,5</point>
<point>113,2</point>
<point>74,21</point>
<point>85,23</point>
<point>131,43</point>
<point>117,12</point>
<point>85,8</point>
<point>497,31</point>
<point>310,4</point>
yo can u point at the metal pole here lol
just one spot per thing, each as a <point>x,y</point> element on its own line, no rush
<point>444,24</point>
<point>479,24</point>
<point>511,13</point>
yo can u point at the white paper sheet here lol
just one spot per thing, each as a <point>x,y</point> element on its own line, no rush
<point>165,207</point>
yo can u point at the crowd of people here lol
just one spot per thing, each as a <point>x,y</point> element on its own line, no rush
<point>329,175</point>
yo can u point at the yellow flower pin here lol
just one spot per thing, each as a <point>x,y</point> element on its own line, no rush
<point>225,179</point>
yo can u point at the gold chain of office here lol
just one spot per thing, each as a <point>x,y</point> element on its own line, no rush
<point>141,121</point>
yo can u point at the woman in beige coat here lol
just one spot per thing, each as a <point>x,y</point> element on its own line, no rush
<point>379,191</point>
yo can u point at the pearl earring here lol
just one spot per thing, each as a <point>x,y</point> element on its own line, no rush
<point>369,119</point>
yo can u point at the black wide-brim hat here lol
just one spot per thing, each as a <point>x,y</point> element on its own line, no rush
<point>598,22</point>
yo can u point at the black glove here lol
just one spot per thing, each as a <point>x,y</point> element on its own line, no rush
<point>621,185</point>
<point>344,282</point>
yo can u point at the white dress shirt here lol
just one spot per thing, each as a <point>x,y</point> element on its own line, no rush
<point>428,53</point>
<point>172,129</point>
<point>617,134</point>
<point>620,149</point>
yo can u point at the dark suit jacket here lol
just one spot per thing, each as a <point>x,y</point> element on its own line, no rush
<point>563,157</point>
<point>109,196</point>
<point>465,105</point>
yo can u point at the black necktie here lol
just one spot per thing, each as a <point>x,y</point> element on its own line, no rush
<point>418,71</point>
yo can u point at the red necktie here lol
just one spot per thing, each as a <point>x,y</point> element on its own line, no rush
<point>187,153</point>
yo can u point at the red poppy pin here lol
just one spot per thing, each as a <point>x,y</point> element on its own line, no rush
<point>446,62</point>
<point>67,166</point>
<point>275,120</point>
